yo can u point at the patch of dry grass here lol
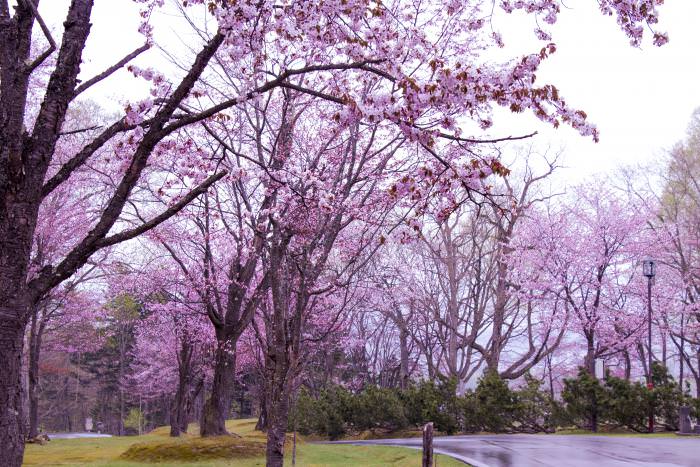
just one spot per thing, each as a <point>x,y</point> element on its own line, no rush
<point>194,449</point>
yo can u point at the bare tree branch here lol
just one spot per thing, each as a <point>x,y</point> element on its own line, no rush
<point>79,159</point>
<point>80,130</point>
<point>52,44</point>
<point>485,141</point>
<point>165,215</point>
<point>105,74</point>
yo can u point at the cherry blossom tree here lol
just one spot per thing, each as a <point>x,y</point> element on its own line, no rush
<point>589,253</point>
<point>173,355</point>
<point>675,229</point>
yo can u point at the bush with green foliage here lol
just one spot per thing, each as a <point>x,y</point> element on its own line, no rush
<point>584,397</point>
<point>434,401</point>
<point>377,408</point>
<point>622,403</point>
<point>537,410</point>
<point>492,406</point>
<point>134,421</point>
<point>667,397</point>
<point>325,415</point>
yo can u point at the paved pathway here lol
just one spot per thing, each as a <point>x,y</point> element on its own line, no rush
<point>563,450</point>
<point>77,435</point>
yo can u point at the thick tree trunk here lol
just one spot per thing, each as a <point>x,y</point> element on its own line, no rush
<point>17,220</point>
<point>11,417</point>
<point>278,417</point>
<point>217,408</point>
<point>23,164</point>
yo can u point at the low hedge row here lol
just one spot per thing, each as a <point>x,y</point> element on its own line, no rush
<point>492,406</point>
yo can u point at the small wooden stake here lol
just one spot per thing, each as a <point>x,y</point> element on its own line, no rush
<point>428,445</point>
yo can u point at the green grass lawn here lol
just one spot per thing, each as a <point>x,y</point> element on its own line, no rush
<point>108,451</point>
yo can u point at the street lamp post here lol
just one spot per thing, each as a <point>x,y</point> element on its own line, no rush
<point>649,270</point>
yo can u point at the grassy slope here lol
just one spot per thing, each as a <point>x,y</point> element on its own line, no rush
<point>106,452</point>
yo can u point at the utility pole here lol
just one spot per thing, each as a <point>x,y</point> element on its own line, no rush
<point>649,270</point>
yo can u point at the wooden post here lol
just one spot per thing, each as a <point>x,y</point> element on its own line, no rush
<point>428,445</point>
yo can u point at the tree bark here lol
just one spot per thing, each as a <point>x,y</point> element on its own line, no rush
<point>35,337</point>
<point>192,395</point>
<point>176,411</point>
<point>218,406</point>
<point>590,367</point>
<point>17,222</point>
<point>178,414</point>
<point>11,417</point>
<point>403,370</point>
<point>278,416</point>
<point>261,424</point>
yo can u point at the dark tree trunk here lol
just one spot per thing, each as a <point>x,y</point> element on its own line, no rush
<point>590,367</point>
<point>277,403</point>
<point>177,410</point>
<point>192,395</point>
<point>261,424</point>
<point>17,221</point>
<point>178,413</point>
<point>217,408</point>
<point>11,417</point>
<point>628,365</point>
<point>183,406</point>
<point>403,370</point>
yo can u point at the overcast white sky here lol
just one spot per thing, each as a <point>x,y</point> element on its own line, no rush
<point>640,99</point>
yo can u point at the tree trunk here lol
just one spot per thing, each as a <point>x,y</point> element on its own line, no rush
<point>261,425</point>
<point>33,371</point>
<point>403,371</point>
<point>11,418</point>
<point>590,367</point>
<point>178,414</point>
<point>122,370</point>
<point>192,395</point>
<point>278,416</point>
<point>177,409</point>
<point>17,220</point>
<point>217,408</point>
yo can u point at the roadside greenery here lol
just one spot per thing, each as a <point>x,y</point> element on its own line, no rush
<point>621,403</point>
<point>493,406</point>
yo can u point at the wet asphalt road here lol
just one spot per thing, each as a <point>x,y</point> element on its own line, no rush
<point>77,435</point>
<point>563,450</point>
